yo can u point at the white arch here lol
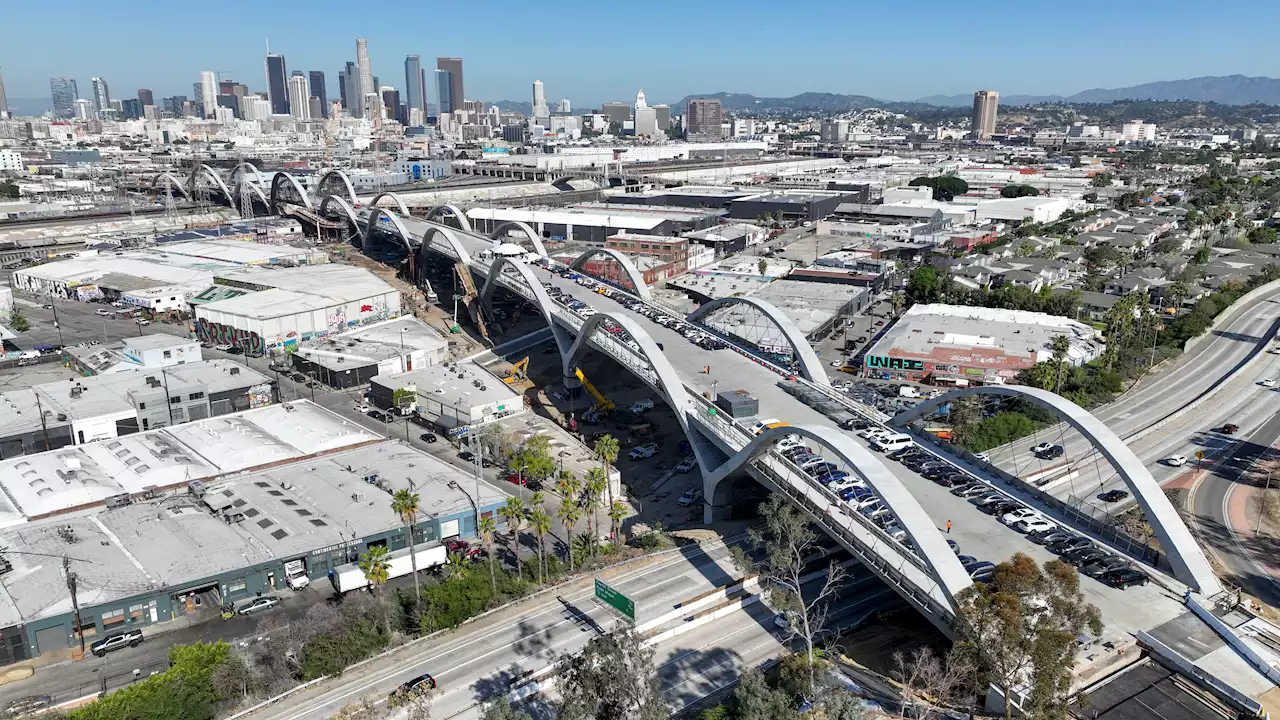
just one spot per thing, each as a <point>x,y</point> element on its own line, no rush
<point>1185,556</point>
<point>173,180</point>
<point>342,204</point>
<point>450,239</point>
<point>276,181</point>
<point>399,203</point>
<point>371,224</point>
<point>502,228</point>
<point>346,184</point>
<point>810,365</point>
<point>544,302</point>
<point>628,267</point>
<point>462,218</point>
<point>941,563</point>
<point>238,171</point>
<point>253,188</point>
<point>217,180</point>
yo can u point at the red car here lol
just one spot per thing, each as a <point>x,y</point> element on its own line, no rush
<point>462,547</point>
<point>515,479</point>
<point>1230,429</point>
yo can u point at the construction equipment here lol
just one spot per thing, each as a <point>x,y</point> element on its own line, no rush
<point>602,403</point>
<point>518,378</point>
<point>471,298</point>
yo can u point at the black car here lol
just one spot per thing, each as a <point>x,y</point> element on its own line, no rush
<point>1002,507</point>
<point>1113,495</point>
<point>467,455</point>
<point>1085,556</point>
<point>235,350</point>
<point>947,480</point>
<point>962,490</point>
<point>1124,577</point>
<point>1063,547</point>
<point>1050,536</point>
<point>1102,566</point>
<point>298,377</point>
<point>1052,453</point>
<point>379,416</point>
<point>420,684</point>
<point>111,643</point>
<point>903,453</point>
<point>428,437</point>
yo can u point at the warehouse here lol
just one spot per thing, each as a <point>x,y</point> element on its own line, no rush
<point>595,222</point>
<point>450,396</point>
<point>960,345</point>
<point>153,553</point>
<point>107,276</point>
<point>386,348</point>
<point>285,306</point>
<point>791,205</point>
<point>243,252</point>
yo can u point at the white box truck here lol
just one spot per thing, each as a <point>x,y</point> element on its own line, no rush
<point>346,578</point>
<point>295,575</point>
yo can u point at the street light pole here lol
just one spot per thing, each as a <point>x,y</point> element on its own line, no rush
<point>1258,528</point>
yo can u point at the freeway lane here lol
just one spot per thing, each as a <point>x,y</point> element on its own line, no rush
<point>480,659</point>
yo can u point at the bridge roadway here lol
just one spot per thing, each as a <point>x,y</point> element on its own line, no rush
<point>1220,376</point>
<point>977,534</point>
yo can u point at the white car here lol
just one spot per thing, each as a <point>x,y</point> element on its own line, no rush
<point>687,464</point>
<point>1269,382</point>
<point>1019,515</point>
<point>690,496</point>
<point>896,532</point>
<point>1034,525</point>
<point>103,312</point>
<point>647,450</point>
<point>362,408</point>
<point>1176,460</point>
<point>143,323</point>
<point>983,457</point>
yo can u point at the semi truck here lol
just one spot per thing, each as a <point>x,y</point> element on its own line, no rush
<point>346,578</point>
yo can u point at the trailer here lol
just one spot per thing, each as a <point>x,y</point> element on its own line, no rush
<point>346,578</point>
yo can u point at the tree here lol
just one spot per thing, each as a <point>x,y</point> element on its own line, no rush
<point>185,690</point>
<point>945,187</point>
<point>540,521</point>
<point>9,190</point>
<point>1101,180</point>
<point>1021,629</point>
<point>606,451</point>
<point>513,513</point>
<point>1091,197</point>
<point>19,321</point>
<point>570,513</point>
<point>927,679</point>
<point>502,710</point>
<point>1262,235</point>
<point>756,700</point>
<point>763,266</point>
<point>617,511</point>
<point>405,503</point>
<point>1060,344</point>
<point>926,285</point>
<point>595,486</point>
<point>1017,191</point>
<point>787,542</point>
<point>1202,256</point>
<point>375,566</point>
<point>613,678</point>
<point>488,528</point>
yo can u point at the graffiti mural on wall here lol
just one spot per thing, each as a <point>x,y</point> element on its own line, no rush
<point>220,334</point>
<point>335,318</point>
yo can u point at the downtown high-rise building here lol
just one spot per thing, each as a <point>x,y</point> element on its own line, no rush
<point>146,97</point>
<point>453,66</point>
<point>64,93</point>
<point>415,91</point>
<point>299,98</point>
<point>319,91</point>
<point>985,104</point>
<point>702,119</point>
<point>368,85</point>
<point>349,88</point>
<point>4,100</point>
<point>277,89</point>
<point>101,96</point>
<point>209,93</point>
<point>540,109</point>
<point>444,91</point>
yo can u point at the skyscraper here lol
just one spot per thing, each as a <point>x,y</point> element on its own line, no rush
<point>540,109</point>
<point>318,90</point>
<point>444,90</point>
<point>640,102</point>
<point>414,92</point>
<point>145,97</point>
<point>367,83</point>
<point>342,88</point>
<point>299,100</point>
<point>4,101</point>
<point>985,103</point>
<point>277,90</point>
<point>454,67</point>
<point>131,109</point>
<point>702,118</point>
<point>101,96</point>
<point>64,96</point>
<point>350,85</point>
<point>209,93</point>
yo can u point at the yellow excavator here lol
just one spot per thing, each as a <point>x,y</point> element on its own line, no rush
<point>518,377</point>
<point>602,402</point>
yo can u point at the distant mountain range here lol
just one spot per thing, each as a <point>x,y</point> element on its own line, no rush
<point>1225,90</point>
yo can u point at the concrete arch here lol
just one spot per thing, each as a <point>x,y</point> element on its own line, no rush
<point>463,220</point>
<point>238,171</point>
<point>1185,556</point>
<point>372,224</point>
<point>213,175</point>
<point>810,366</point>
<point>450,239</point>
<point>544,302</point>
<point>628,267</point>
<point>278,181</point>
<point>940,562</point>
<point>502,228</point>
<point>174,181</point>
<point>253,188</point>
<point>399,203</point>
<point>346,185</point>
<point>342,205</point>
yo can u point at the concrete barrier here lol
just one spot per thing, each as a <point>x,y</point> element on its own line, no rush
<point>1221,318</point>
<point>1237,643</point>
<point>1174,660</point>
<point>702,619</point>
<point>751,583</point>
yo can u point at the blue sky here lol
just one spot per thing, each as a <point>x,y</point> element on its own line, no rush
<point>595,52</point>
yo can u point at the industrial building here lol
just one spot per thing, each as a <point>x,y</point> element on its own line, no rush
<point>126,401</point>
<point>452,396</point>
<point>961,345</point>
<point>792,205</point>
<point>595,222</point>
<point>145,351</point>
<point>351,358</point>
<point>177,521</point>
<point>284,306</point>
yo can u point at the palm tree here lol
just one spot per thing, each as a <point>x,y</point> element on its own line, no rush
<point>487,529</point>
<point>405,504</point>
<point>540,521</point>
<point>606,451</point>
<point>570,513</point>
<point>617,511</point>
<point>1060,345</point>
<point>375,565</point>
<point>595,487</point>
<point>513,513</point>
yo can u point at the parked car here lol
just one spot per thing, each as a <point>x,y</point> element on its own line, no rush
<point>463,548</point>
<point>111,643</point>
<point>1085,556</point>
<point>690,496</point>
<point>1017,516</point>
<point>982,567</point>
<point>467,456</point>
<point>1102,566</point>
<point>1113,495</point>
<point>258,605</point>
<point>1049,537</point>
<point>687,464</point>
<point>428,437</point>
<point>641,452</point>
<point>1063,547</point>
<point>379,416</point>
<point>1036,524</point>
<point>103,312</point>
<point>1124,577</point>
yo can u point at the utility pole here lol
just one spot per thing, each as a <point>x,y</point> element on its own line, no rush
<point>75,602</point>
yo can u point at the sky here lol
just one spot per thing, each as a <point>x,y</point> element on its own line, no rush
<point>596,52</point>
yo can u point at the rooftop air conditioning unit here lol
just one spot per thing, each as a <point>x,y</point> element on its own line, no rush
<point>357,497</point>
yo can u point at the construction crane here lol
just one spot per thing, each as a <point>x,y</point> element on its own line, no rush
<point>602,403</point>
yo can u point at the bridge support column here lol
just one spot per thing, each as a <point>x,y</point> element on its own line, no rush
<point>572,384</point>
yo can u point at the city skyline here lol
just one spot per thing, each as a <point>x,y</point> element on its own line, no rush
<point>839,57</point>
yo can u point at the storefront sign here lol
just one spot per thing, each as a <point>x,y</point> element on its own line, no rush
<point>893,363</point>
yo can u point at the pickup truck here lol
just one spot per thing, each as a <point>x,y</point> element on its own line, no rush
<point>641,452</point>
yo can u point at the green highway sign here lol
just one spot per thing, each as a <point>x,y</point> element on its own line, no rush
<point>615,599</point>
